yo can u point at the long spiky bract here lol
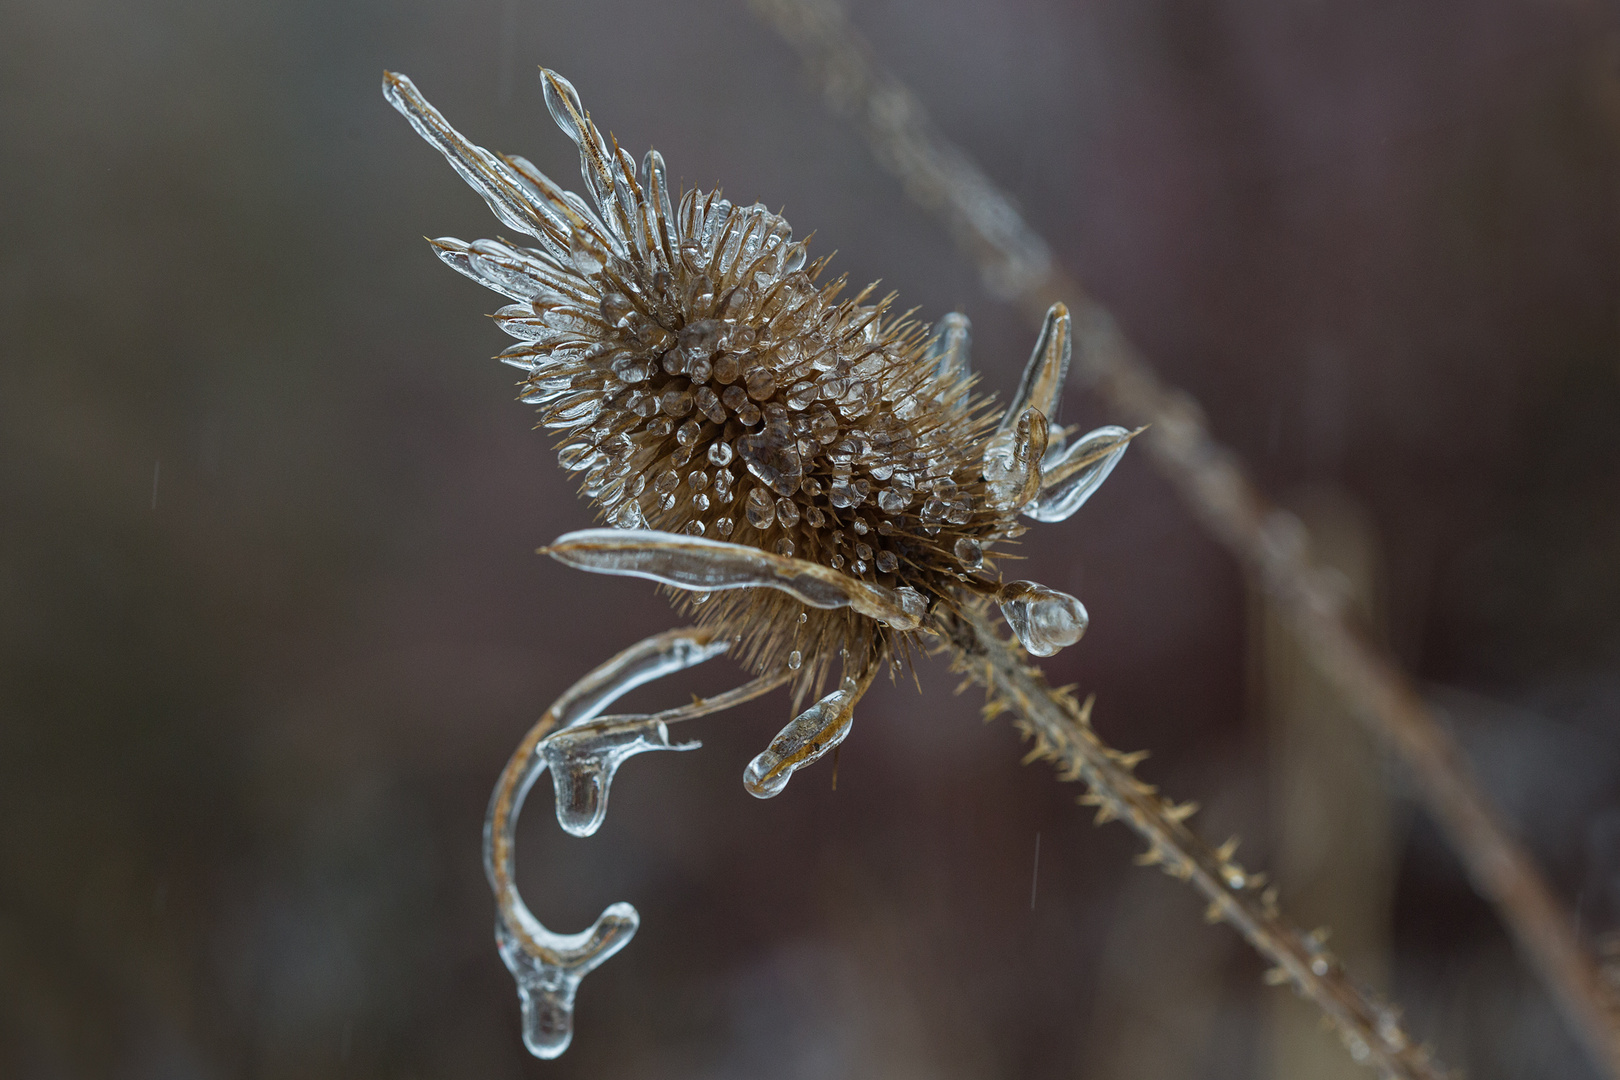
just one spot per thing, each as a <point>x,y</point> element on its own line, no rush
<point>818,481</point>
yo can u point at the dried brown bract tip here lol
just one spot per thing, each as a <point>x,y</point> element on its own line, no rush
<point>704,382</point>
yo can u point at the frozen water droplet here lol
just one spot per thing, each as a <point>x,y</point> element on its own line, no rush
<point>787,512</point>
<point>759,508</point>
<point>1072,477</point>
<point>584,759</point>
<point>724,526</point>
<point>1012,462</point>
<point>720,453</point>
<point>795,660</point>
<point>708,403</point>
<point>759,383</point>
<point>771,456</point>
<point>810,735</point>
<point>677,400</point>
<point>629,516</point>
<point>969,554</point>
<point>887,561</point>
<point>1044,620</point>
<point>784,547</point>
<point>893,501</point>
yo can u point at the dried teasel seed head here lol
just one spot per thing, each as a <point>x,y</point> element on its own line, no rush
<point>704,380</point>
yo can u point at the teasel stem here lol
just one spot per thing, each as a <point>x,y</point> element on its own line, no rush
<point>1017,264</point>
<point>1062,733</point>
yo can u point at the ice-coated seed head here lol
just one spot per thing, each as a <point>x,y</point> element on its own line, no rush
<point>656,330</point>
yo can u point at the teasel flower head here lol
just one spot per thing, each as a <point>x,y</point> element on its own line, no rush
<point>813,474</point>
<point>704,381</point>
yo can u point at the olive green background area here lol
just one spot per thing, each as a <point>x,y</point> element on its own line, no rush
<point>271,621</point>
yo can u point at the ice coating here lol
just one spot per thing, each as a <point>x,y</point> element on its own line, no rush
<point>1073,475</point>
<point>484,172</point>
<point>1042,384</point>
<point>583,760</point>
<point>646,660</point>
<point>1012,461</point>
<point>548,966</point>
<point>692,562</point>
<point>806,738</point>
<point>1044,620</point>
<point>950,350</point>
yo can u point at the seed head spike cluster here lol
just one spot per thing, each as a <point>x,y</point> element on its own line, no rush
<point>812,473</point>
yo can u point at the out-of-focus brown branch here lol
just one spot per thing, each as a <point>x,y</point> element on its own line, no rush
<point>1063,735</point>
<point>1017,264</point>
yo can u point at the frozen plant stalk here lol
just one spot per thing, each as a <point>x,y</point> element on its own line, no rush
<point>812,476</point>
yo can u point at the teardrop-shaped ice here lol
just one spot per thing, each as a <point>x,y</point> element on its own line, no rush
<point>806,738</point>
<point>583,760</point>
<point>949,352</point>
<point>1043,619</point>
<point>1071,478</point>
<point>1012,462</point>
<point>548,968</point>
<point>1042,385</point>
<point>772,457</point>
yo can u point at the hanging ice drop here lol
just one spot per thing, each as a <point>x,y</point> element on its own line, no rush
<point>1043,619</point>
<point>810,735</point>
<point>548,969</point>
<point>584,759</point>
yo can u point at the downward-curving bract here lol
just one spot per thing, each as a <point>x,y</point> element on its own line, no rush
<point>812,475</point>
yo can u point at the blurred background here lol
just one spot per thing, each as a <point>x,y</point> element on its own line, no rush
<point>271,620</point>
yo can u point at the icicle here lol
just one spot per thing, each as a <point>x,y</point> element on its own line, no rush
<point>1042,385</point>
<point>1012,462</point>
<point>1071,478</point>
<point>1044,620</point>
<point>584,758</point>
<point>548,968</point>
<point>949,352</point>
<point>690,562</point>
<point>810,735</point>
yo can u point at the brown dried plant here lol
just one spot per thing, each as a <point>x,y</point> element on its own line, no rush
<point>816,478</point>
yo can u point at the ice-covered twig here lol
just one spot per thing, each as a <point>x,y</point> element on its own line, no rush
<point>1063,735</point>
<point>1017,264</point>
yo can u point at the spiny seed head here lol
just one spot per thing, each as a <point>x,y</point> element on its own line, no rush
<point>703,380</point>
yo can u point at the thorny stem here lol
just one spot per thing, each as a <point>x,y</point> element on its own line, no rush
<point>1018,264</point>
<point>1063,735</point>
